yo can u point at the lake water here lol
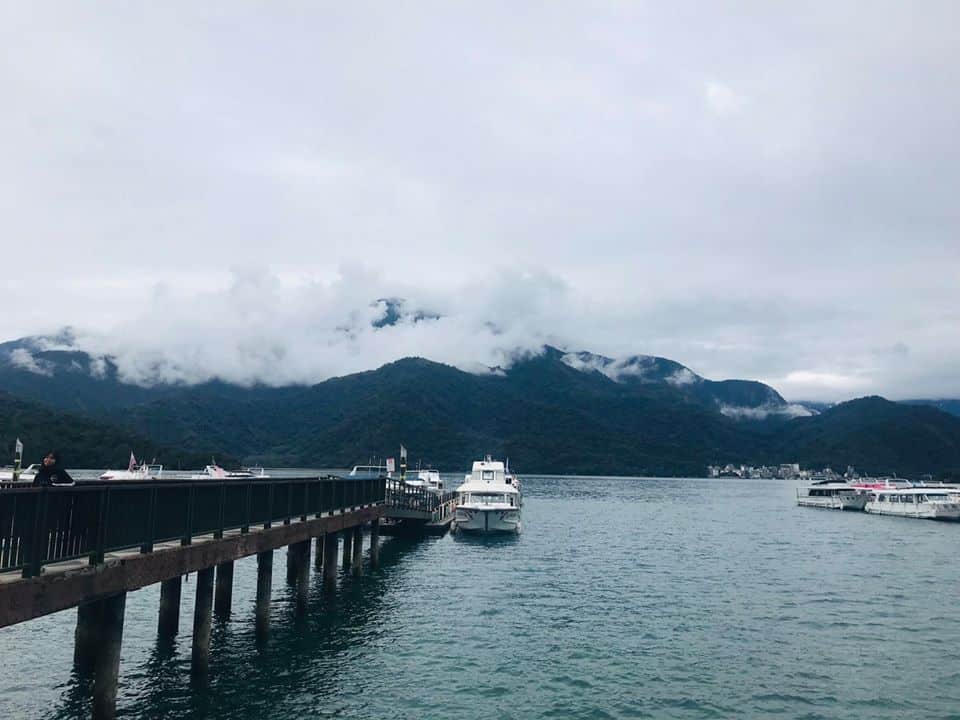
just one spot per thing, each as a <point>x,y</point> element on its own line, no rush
<point>623,598</point>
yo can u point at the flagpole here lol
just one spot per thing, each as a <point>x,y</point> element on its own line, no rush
<point>17,460</point>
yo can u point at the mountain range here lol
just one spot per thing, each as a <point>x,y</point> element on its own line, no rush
<point>552,411</point>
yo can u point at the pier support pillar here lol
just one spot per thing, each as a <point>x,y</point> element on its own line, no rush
<point>87,637</point>
<point>302,550</point>
<point>357,550</point>
<point>330,561</point>
<point>107,665</point>
<point>318,557</point>
<point>347,548</point>
<point>224,598</point>
<point>292,559</point>
<point>375,542</point>
<point>200,655</point>
<point>169,617</point>
<point>264,585</point>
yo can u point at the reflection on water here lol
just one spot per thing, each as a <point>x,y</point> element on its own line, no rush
<point>622,598</point>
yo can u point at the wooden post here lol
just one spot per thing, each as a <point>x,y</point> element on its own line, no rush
<point>330,561</point>
<point>200,655</point>
<point>107,665</point>
<point>224,596</point>
<point>357,550</point>
<point>264,584</point>
<point>375,542</point>
<point>169,617</point>
<point>347,548</point>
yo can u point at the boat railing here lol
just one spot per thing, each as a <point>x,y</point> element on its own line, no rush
<point>415,497</point>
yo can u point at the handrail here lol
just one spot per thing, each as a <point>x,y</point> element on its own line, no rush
<point>42,525</point>
<point>418,498</point>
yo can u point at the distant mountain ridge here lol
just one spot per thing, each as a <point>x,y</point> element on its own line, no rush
<point>555,411</point>
<point>81,441</point>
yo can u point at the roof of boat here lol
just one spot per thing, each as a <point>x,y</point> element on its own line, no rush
<point>919,490</point>
<point>487,487</point>
<point>488,465</point>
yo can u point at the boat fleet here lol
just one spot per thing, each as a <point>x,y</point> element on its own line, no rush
<point>928,501</point>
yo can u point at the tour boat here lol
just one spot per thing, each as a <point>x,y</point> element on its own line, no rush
<point>370,472</point>
<point>832,495</point>
<point>26,474</point>
<point>135,471</point>
<point>489,500</point>
<point>427,479</point>
<point>142,472</point>
<point>215,472</point>
<point>930,502</point>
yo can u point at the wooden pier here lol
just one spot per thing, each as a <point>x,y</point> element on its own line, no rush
<point>88,545</point>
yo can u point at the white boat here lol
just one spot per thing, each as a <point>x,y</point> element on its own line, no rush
<point>832,495</point>
<point>215,472</point>
<point>429,480</point>
<point>489,500</point>
<point>929,503</point>
<point>26,474</point>
<point>370,472</point>
<point>135,471</point>
<point>142,472</point>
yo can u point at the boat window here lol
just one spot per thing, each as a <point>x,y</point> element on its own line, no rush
<point>488,474</point>
<point>488,498</point>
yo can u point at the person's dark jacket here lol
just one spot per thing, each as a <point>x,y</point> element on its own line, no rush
<point>52,475</point>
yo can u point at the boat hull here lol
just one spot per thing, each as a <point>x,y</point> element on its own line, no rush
<point>834,502</point>
<point>488,521</point>
<point>922,511</point>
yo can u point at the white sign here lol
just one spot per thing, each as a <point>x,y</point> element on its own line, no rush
<point>391,466</point>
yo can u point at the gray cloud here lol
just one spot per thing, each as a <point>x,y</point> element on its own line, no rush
<point>752,190</point>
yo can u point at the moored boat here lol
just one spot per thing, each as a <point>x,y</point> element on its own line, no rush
<point>928,503</point>
<point>832,495</point>
<point>26,475</point>
<point>215,472</point>
<point>489,500</point>
<point>135,471</point>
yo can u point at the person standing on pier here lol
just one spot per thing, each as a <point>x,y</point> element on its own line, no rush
<point>50,472</point>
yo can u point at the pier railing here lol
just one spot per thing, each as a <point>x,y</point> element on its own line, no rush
<point>401,496</point>
<point>42,525</point>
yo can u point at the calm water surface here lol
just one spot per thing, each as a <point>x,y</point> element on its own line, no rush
<point>623,598</point>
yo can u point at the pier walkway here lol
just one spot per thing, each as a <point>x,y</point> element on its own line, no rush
<point>88,545</point>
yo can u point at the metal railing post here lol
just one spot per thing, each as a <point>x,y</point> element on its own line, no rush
<point>147,545</point>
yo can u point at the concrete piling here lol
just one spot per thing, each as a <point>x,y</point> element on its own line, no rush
<point>224,594</point>
<point>318,556</point>
<point>375,542</point>
<point>107,664</point>
<point>87,637</point>
<point>330,561</point>
<point>303,573</point>
<point>200,655</point>
<point>168,623</point>
<point>264,586</point>
<point>347,548</point>
<point>357,550</point>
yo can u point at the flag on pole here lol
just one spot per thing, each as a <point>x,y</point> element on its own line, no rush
<point>403,453</point>
<point>133,462</point>
<point>18,450</point>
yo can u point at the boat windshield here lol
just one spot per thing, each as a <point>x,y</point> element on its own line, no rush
<point>487,498</point>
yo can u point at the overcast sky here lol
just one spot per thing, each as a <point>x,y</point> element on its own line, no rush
<point>755,189</point>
